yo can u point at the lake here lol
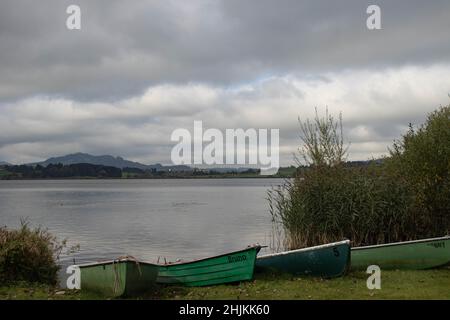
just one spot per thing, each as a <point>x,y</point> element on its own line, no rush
<point>167,218</point>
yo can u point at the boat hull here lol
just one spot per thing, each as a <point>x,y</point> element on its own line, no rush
<point>413,255</point>
<point>118,278</point>
<point>327,261</point>
<point>231,267</point>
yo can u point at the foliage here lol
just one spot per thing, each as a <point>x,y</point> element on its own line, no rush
<point>404,197</point>
<point>422,160</point>
<point>29,255</point>
<point>65,171</point>
<point>331,203</point>
<point>323,141</point>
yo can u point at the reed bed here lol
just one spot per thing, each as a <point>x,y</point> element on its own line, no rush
<point>327,204</point>
<point>402,197</point>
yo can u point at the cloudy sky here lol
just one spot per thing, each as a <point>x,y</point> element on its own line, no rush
<point>137,70</point>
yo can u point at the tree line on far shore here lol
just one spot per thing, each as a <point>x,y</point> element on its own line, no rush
<point>87,170</point>
<point>62,171</point>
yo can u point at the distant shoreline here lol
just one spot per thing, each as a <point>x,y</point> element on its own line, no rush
<point>89,171</point>
<point>153,178</point>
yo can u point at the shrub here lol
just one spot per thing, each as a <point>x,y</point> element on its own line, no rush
<point>29,255</point>
<point>422,159</point>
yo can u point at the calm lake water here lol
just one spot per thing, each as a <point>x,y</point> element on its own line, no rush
<point>182,218</point>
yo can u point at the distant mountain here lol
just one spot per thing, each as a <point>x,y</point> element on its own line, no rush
<point>107,160</point>
<point>3,163</point>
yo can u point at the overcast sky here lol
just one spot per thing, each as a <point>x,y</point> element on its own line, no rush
<point>137,70</point>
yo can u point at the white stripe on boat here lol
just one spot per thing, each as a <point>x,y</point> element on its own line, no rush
<point>402,243</point>
<point>323,246</point>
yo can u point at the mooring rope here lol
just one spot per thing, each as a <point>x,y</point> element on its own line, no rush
<point>128,257</point>
<point>115,263</point>
<point>116,276</point>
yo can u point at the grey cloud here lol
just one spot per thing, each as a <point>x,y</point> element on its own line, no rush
<point>137,71</point>
<point>376,106</point>
<point>123,48</point>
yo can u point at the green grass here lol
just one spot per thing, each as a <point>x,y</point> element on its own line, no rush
<point>431,284</point>
<point>27,291</point>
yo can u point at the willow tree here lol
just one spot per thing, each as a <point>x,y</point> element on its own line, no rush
<point>322,140</point>
<point>322,147</point>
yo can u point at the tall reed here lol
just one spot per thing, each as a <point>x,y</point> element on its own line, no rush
<point>404,197</point>
<point>326,204</point>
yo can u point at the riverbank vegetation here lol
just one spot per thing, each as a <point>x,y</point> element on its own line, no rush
<point>29,254</point>
<point>405,196</point>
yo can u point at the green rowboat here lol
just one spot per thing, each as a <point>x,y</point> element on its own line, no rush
<point>230,267</point>
<point>327,261</point>
<point>416,255</point>
<point>121,277</point>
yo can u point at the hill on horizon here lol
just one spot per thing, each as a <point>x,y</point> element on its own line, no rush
<point>106,160</point>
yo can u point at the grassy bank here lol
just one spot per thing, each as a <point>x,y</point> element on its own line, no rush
<point>431,284</point>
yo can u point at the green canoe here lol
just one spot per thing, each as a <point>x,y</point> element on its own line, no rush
<point>419,254</point>
<point>121,277</point>
<point>229,267</point>
<point>327,261</point>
